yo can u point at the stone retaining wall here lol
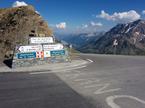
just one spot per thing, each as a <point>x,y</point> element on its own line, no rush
<point>32,62</point>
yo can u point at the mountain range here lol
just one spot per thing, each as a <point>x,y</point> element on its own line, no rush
<point>80,39</point>
<point>130,39</point>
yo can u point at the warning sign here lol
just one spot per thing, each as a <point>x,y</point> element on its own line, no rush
<point>40,54</point>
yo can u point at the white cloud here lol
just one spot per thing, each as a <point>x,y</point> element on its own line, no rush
<point>19,3</point>
<point>143,12</point>
<point>92,24</point>
<point>96,24</point>
<point>128,16</point>
<point>84,25</point>
<point>90,27</point>
<point>61,25</point>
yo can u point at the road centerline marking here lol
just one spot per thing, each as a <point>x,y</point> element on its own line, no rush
<point>91,61</point>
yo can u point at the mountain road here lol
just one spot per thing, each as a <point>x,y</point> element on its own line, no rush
<point>101,81</point>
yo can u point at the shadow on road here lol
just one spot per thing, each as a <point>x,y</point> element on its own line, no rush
<point>8,62</point>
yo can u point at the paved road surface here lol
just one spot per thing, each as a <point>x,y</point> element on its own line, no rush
<point>106,82</point>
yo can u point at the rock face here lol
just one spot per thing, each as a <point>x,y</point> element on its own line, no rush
<point>130,38</point>
<point>16,25</point>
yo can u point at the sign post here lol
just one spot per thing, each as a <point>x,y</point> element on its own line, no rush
<point>115,44</point>
<point>40,50</point>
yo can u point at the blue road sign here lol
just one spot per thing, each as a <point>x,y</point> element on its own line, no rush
<point>57,52</point>
<point>26,55</point>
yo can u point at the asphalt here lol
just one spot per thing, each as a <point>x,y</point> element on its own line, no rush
<point>45,91</point>
<point>45,67</point>
<point>104,81</point>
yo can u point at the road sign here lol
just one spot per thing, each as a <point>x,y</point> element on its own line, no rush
<point>57,52</point>
<point>47,54</point>
<point>70,46</point>
<point>115,42</point>
<point>53,47</point>
<point>41,40</point>
<point>40,54</point>
<point>26,55</point>
<point>30,48</point>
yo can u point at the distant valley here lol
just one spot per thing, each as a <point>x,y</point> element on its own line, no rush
<point>79,40</point>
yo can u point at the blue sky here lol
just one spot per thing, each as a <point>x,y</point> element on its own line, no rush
<point>85,15</point>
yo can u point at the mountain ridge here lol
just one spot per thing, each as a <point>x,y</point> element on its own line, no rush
<point>130,37</point>
<point>80,39</point>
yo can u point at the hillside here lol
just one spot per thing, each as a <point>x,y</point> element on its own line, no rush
<point>130,38</point>
<point>16,25</point>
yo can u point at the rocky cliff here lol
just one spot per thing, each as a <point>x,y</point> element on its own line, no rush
<point>17,25</point>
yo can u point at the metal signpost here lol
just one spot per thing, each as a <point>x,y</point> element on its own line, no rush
<point>40,50</point>
<point>115,44</point>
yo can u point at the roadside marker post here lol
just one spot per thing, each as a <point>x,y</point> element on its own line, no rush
<point>115,44</point>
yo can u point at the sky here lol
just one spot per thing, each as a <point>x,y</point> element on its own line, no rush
<point>67,16</point>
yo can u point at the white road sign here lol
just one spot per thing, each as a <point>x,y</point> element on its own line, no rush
<point>115,42</point>
<point>47,54</point>
<point>52,47</point>
<point>30,48</point>
<point>41,40</point>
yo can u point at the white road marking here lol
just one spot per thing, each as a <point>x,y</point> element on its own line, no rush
<point>107,91</point>
<point>73,68</point>
<point>89,82</point>
<point>74,76</point>
<point>105,86</point>
<point>65,71</point>
<point>33,73</point>
<point>76,65</point>
<point>92,86</point>
<point>78,80</point>
<point>102,87</point>
<point>91,61</point>
<point>77,71</point>
<point>57,71</point>
<point>67,75</point>
<point>110,100</point>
